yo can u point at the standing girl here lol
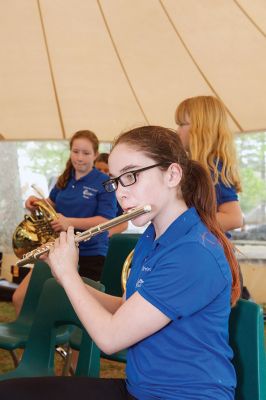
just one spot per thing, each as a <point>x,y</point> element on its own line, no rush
<point>204,132</point>
<point>80,201</point>
<point>184,279</point>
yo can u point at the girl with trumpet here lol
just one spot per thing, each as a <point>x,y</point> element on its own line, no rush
<point>173,318</point>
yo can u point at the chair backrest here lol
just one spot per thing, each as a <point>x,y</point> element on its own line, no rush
<point>54,310</point>
<point>120,246</point>
<point>246,333</point>
<point>40,273</point>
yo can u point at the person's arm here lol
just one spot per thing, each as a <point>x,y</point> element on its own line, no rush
<point>20,293</point>
<point>62,223</point>
<point>118,229</point>
<point>105,210</point>
<point>112,325</point>
<point>109,302</point>
<point>229,216</point>
<point>133,321</point>
<point>121,227</point>
<point>31,200</point>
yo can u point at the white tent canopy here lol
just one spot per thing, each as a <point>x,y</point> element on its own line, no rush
<point>109,65</point>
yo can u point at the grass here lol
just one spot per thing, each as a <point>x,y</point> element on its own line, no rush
<point>109,369</point>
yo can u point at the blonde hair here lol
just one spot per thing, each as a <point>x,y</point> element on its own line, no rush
<point>210,139</point>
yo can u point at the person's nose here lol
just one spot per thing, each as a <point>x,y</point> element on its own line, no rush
<point>121,191</point>
<point>80,157</point>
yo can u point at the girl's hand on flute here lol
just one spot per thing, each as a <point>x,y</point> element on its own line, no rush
<point>63,257</point>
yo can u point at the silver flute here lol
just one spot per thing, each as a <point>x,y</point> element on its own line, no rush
<point>33,255</point>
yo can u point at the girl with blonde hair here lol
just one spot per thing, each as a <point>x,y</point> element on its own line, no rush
<point>204,131</point>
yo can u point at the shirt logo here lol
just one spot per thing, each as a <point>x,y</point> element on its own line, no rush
<point>146,269</point>
<point>87,194</point>
<point>139,282</point>
<point>92,189</point>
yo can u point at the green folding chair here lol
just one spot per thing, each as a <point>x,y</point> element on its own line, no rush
<point>54,310</point>
<point>14,335</point>
<point>246,335</point>
<point>120,246</point>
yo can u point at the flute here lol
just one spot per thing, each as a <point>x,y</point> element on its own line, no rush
<point>33,255</point>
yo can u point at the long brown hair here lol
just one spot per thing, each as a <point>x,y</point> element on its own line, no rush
<point>85,134</point>
<point>210,139</point>
<point>164,146</point>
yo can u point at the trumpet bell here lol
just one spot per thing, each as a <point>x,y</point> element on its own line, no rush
<point>34,231</point>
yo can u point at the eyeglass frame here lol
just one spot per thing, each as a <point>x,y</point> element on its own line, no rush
<point>117,179</point>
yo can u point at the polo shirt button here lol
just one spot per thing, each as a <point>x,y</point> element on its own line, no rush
<point>73,186</point>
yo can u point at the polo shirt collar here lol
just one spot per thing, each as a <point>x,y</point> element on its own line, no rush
<point>179,228</point>
<point>91,174</point>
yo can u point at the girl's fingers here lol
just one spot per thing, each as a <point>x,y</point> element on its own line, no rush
<point>61,240</point>
<point>70,235</point>
<point>56,244</point>
<point>62,237</point>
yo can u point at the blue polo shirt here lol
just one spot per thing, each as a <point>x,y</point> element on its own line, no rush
<point>224,193</point>
<point>84,198</point>
<point>184,273</point>
<point>119,210</point>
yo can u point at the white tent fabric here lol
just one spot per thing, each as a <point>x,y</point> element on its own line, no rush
<point>109,65</point>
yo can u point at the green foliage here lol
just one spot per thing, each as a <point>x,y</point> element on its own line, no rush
<point>254,189</point>
<point>251,150</point>
<point>46,158</point>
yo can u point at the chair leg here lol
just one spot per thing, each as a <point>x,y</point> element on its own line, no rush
<point>14,357</point>
<point>62,352</point>
<point>67,356</point>
<point>68,368</point>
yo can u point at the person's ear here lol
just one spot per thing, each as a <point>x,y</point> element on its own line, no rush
<point>174,175</point>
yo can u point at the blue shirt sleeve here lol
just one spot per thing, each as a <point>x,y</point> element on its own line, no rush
<point>53,194</point>
<point>106,204</point>
<point>224,194</point>
<point>182,284</point>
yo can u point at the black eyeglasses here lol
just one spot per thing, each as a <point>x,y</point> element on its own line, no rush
<point>126,179</point>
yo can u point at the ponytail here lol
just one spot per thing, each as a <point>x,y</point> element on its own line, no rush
<point>198,191</point>
<point>64,177</point>
<point>164,147</point>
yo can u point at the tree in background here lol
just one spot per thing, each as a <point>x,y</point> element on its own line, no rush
<point>252,159</point>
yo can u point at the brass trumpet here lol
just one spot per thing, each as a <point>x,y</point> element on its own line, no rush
<point>86,235</point>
